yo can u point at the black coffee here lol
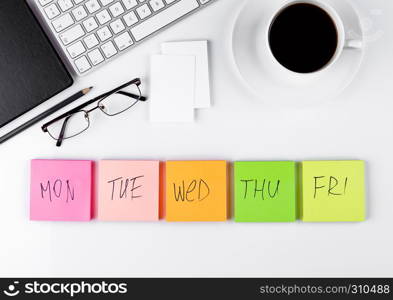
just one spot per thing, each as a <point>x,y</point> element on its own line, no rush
<point>303,38</point>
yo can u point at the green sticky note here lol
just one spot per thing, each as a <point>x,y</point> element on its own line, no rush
<point>265,191</point>
<point>332,191</point>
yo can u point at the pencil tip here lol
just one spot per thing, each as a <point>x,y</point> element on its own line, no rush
<point>85,91</point>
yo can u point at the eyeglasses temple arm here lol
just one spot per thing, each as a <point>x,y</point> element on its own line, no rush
<point>140,98</point>
<point>61,135</point>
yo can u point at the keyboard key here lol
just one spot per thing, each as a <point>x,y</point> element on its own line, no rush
<point>79,13</point>
<point>78,1</point>
<point>52,11</point>
<point>169,1</point>
<point>65,4</point>
<point>76,49</point>
<point>96,57</point>
<point>104,33</point>
<point>72,34</point>
<point>63,22</point>
<point>167,16</point>
<point>130,18</point>
<point>103,17</point>
<point>45,2</point>
<point>117,26</point>
<point>123,41</point>
<point>106,2</point>
<point>130,4</point>
<point>82,64</point>
<point>91,41</point>
<point>143,11</point>
<point>90,24</point>
<point>92,6</point>
<point>109,49</point>
<point>116,9</point>
<point>204,1</point>
<point>156,5</point>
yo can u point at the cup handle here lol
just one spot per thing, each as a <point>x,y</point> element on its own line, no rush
<point>353,44</point>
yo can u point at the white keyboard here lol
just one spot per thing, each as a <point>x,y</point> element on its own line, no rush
<point>92,32</point>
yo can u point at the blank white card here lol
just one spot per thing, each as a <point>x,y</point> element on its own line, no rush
<point>172,88</point>
<point>202,80</point>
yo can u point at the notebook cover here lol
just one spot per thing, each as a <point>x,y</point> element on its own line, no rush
<point>31,71</point>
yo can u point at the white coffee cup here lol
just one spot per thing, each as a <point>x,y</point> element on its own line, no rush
<point>343,42</point>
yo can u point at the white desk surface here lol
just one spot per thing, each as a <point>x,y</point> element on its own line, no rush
<point>239,126</point>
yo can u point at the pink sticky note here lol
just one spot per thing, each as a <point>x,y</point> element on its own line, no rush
<point>61,190</point>
<point>128,190</point>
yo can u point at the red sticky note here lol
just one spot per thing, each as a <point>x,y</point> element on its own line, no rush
<point>61,190</point>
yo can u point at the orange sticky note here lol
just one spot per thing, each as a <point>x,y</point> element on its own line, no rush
<point>196,191</point>
<point>128,190</point>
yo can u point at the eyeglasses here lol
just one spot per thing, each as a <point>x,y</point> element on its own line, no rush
<point>77,121</point>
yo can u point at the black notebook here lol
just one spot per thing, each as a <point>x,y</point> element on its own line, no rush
<point>31,72</point>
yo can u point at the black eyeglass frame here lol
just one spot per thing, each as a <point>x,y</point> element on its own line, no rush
<point>67,115</point>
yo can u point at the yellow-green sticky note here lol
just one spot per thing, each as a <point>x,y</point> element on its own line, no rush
<point>332,191</point>
<point>265,191</point>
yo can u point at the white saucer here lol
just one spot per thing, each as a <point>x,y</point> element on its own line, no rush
<point>266,77</point>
